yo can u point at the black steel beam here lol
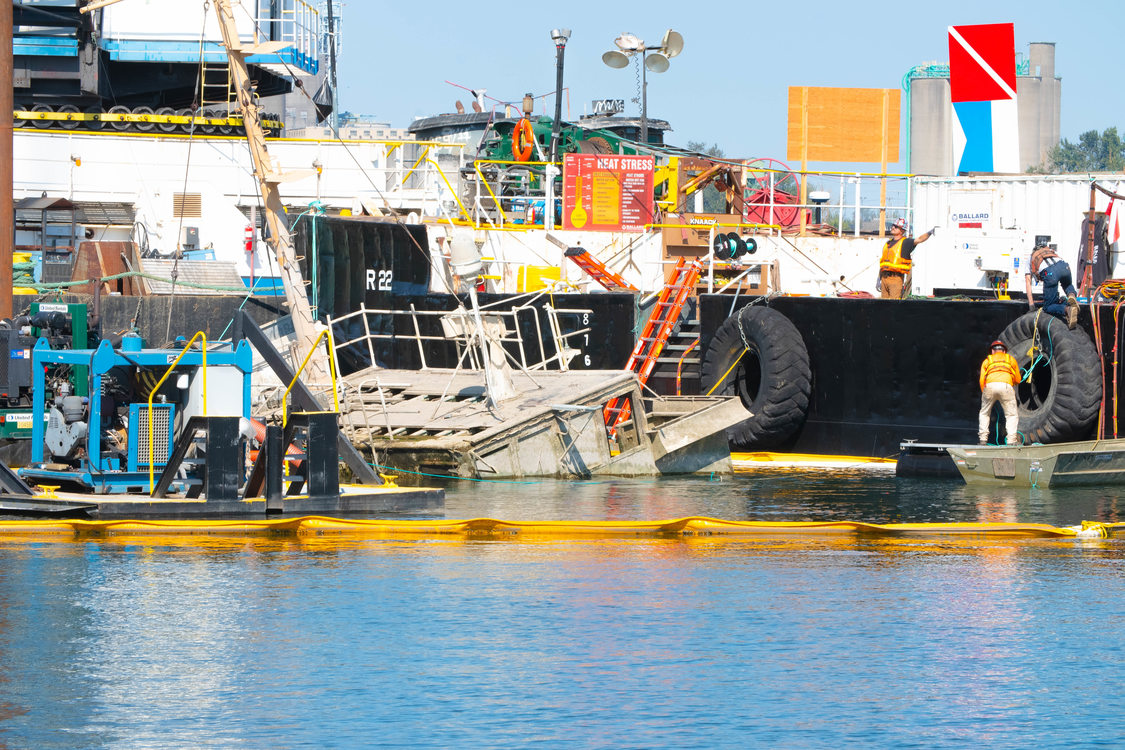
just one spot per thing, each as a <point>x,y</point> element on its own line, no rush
<point>304,399</point>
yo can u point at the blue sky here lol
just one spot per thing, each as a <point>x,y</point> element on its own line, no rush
<point>730,84</point>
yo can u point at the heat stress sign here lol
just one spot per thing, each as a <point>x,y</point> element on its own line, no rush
<point>607,192</point>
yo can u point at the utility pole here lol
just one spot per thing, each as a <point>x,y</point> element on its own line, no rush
<point>333,119</point>
<point>7,211</point>
<point>560,36</point>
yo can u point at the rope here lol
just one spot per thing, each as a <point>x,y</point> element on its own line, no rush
<point>1037,360</point>
<point>46,288</point>
<point>187,170</point>
<point>1109,290</point>
<point>316,208</point>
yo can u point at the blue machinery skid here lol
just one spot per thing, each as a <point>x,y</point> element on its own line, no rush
<point>76,426</point>
<point>149,442</point>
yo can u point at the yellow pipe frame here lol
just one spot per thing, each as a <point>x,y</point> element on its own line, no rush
<point>327,332</point>
<point>152,395</point>
<point>414,166</point>
<point>456,197</point>
<point>499,207</point>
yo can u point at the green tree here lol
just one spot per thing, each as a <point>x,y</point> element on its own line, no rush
<point>1094,152</point>
<point>714,151</point>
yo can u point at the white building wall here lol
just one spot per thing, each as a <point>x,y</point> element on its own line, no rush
<point>149,170</point>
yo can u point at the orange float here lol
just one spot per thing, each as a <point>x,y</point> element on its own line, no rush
<point>521,140</point>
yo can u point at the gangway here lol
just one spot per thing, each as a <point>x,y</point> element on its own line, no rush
<point>597,270</point>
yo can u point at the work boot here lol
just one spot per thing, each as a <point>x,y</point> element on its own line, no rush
<point>1071,312</point>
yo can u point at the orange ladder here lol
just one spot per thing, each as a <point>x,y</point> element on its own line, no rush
<point>597,270</point>
<point>661,323</point>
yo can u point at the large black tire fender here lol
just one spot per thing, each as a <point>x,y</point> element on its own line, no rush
<point>1063,398</point>
<point>759,355</point>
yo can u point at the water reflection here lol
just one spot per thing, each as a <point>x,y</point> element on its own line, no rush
<point>792,640</point>
<point>782,495</point>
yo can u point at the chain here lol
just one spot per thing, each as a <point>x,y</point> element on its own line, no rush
<point>637,71</point>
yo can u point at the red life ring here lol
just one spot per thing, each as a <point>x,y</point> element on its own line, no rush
<point>521,140</point>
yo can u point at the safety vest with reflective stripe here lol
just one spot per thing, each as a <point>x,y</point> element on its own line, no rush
<point>892,259</point>
<point>1000,367</point>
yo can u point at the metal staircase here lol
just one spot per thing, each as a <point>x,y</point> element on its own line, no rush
<point>677,370</point>
<point>657,330</point>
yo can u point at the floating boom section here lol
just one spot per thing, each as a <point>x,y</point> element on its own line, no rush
<point>693,528</point>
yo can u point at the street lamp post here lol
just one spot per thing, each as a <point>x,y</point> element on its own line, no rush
<point>560,36</point>
<point>652,58</point>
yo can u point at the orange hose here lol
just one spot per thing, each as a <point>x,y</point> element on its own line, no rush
<point>1101,358</point>
<point>260,436</point>
<point>680,364</point>
<point>1116,338</point>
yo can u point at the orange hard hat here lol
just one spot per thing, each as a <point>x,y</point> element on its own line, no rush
<point>998,344</point>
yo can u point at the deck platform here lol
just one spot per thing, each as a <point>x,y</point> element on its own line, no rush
<point>441,422</point>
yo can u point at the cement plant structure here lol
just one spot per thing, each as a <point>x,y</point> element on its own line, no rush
<point>930,113</point>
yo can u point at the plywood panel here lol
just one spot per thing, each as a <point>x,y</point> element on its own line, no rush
<point>843,124</point>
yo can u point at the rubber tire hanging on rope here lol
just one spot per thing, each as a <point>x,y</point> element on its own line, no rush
<point>521,140</point>
<point>769,371</point>
<point>1062,401</point>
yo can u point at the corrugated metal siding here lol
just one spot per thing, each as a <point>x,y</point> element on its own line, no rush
<point>1019,207</point>
<point>215,273</point>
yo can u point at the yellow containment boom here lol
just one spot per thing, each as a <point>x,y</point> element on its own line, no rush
<point>490,528</point>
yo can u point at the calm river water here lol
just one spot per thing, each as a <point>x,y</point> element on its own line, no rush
<point>792,643</point>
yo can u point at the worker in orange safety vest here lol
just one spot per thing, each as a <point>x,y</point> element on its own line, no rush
<point>895,263</point>
<point>999,374</point>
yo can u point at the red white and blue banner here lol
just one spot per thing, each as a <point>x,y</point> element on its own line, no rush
<point>982,81</point>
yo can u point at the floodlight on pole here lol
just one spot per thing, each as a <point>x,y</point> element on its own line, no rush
<point>653,58</point>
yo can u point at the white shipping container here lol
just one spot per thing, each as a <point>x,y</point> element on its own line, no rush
<point>990,224</point>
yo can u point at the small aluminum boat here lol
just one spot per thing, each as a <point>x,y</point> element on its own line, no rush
<point>1057,465</point>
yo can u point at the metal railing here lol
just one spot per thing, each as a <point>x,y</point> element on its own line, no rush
<point>298,23</point>
<point>529,353</point>
<point>502,194</point>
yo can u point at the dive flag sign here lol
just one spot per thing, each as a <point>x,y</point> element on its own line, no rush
<point>982,82</point>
